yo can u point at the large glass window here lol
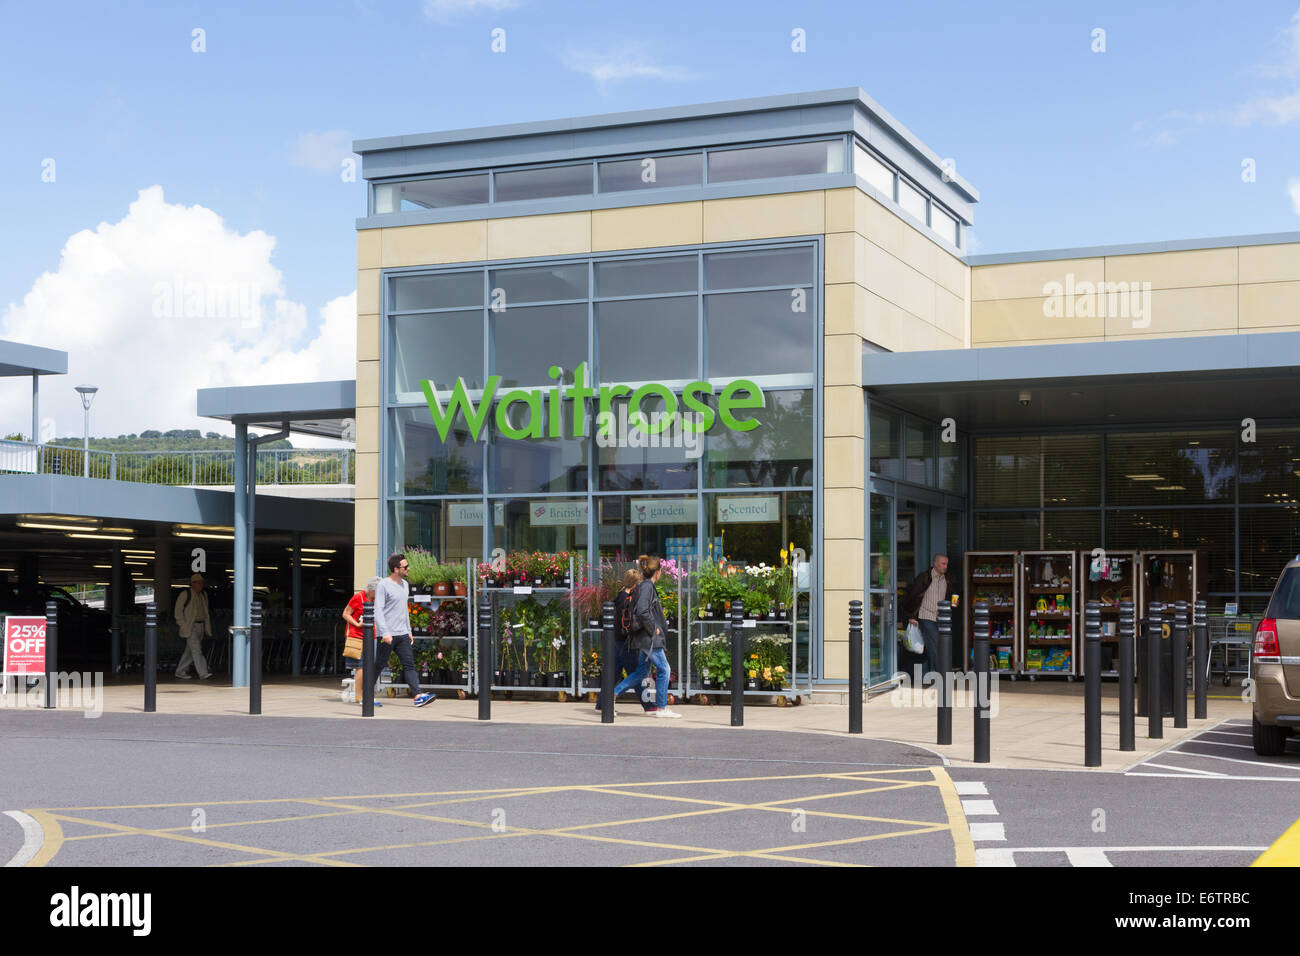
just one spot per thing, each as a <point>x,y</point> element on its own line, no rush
<point>528,340</point>
<point>919,437</point>
<point>764,162</point>
<point>886,443</point>
<point>648,276</point>
<point>630,526</point>
<point>420,463</point>
<point>540,524</point>
<point>779,452</point>
<point>759,333</point>
<point>873,171</point>
<point>439,347</point>
<point>758,268</point>
<point>648,340</point>
<point>450,530</point>
<point>912,200</point>
<point>431,193</point>
<point>545,182</point>
<point>1270,467</point>
<point>455,290</point>
<point>524,465</point>
<point>1181,529</point>
<point>1148,468</point>
<point>651,172</point>
<point>1040,470</point>
<point>538,284</point>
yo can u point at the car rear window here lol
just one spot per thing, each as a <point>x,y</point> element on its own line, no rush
<point>1286,596</point>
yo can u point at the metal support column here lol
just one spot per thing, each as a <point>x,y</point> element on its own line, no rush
<point>243,567</point>
<point>117,581</point>
<point>295,628</point>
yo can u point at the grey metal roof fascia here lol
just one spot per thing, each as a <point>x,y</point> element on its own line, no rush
<point>1083,360</point>
<point>278,402</point>
<point>588,145</point>
<point>1134,248</point>
<point>26,359</point>
<point>897,131</point>
<point>621,200</point>
<point>630,118</point>
<point>132,501</point>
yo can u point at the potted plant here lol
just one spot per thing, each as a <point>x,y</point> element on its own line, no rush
<point>757,603</point>
<point>422,565</point>
<point>752,669</point>
<point>440,578</point>
<point>591,669</point>
<point>459,580</point>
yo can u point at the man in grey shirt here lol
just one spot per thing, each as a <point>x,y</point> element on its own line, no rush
<point>393,625</point>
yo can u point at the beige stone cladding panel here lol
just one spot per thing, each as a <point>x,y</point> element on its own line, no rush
<point>1204,309</point>
<point>368,248</point>
<point>1269,305</point>
<point>842,563</point>
<point>1015,320</point>
<point>1279,263</point>
<point>647,227</point>
<point>841,209</point>
<point>884,322</point>
<point>843,466</point>
<point>842,408</point>
<point>367,428</point>
<point>1022,280</point>
<point>842,364</point>
<point>368,299</point>
<point>835,646</point>
<point>527,237</point>
<point>364,557</point>
<point>434,244</point>
<point>366,524</point>
<point>846,309</point>
<point>844,512</point>
<point>764,217</point>
<point>1175,270</point>
<point>367,383</point>
<point>949,313</point>
<point>842,250</point>
<point>368,338</point>
<point>367,475</point>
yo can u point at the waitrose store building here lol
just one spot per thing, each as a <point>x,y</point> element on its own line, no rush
<point>753,325</point>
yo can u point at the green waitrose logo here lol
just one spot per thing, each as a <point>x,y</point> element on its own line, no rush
<point>546,406</point>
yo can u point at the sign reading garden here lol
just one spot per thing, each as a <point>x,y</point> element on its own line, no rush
<point>546,406</point>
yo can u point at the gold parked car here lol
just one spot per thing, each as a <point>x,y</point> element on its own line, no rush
<point>1275,665</point>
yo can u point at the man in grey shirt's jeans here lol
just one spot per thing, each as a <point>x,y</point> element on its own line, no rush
<point>393,625</point>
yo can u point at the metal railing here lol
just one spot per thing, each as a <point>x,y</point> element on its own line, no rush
<point>275,466</point>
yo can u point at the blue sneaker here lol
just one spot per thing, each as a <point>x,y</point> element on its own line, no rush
<point>424,699</point>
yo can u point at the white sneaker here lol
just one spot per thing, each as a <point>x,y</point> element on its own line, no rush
<point>665,712</point>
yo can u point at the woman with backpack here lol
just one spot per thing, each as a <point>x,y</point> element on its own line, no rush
<point>627,655</point>
<point>649,635</point>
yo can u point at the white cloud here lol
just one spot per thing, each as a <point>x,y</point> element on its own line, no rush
<point>322,152</point>
<point>446,9</point>
<point>1293,190</point>
<point>624,62</point>
<point>163,302</point>
<point>1289,39</point>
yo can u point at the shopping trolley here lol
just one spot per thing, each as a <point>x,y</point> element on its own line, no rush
<point>1231,640</point>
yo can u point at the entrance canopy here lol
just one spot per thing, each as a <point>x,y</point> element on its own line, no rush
<point>1190,379</point>
<point>324,409</point>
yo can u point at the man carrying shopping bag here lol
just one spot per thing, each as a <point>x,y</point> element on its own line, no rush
<point>921,606</point>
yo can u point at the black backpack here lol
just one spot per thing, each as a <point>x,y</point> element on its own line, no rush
<point>628,621</point>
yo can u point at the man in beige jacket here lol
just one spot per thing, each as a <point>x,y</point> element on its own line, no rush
<point>192,622</point>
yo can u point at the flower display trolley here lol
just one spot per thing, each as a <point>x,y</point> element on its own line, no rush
<point>671,589</point>
<point>534,623</point>
<point>771,625</point>
<point>442,626</point>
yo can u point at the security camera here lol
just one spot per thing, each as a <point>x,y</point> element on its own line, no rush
<point>1024,398</point>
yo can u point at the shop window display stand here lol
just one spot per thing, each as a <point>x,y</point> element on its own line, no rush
<point>499,597</point>
<point>435,601</point>
<point>994,576</point>
<point>593,640</point>
<point>791,692</point>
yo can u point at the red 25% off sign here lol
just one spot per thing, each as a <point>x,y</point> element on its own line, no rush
<point>24,645</point>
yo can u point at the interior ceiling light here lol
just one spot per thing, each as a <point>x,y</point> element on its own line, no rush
<point>56,527</point>
<point>266,567</point>
<point>199,534</point>
<point>316,550</point>
<point>102,537</point>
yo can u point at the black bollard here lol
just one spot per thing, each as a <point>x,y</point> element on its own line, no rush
<point>1201,656</point>
<point>368,674</point>
<point>1092,684</point>
<point>255,658</point>
<point>982,688</point>
<point>943,661</point>
<point>608,664</point>
<point>855,667</point>
<point>1151,676</point>
<point>737,663</point>
<point>1178,663</point>
<point>1127,660</point>
<point>150,658</point>
<point>51,654</point>
<point>485,646</point>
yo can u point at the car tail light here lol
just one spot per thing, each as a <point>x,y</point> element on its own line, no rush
<point>1267,650</point>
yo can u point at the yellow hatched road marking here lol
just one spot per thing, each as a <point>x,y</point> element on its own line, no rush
<point>1285,851</point>
<point>961,838</point>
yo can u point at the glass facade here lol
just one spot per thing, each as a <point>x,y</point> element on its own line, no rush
<point>1169,489</point>
<point>542,477</point>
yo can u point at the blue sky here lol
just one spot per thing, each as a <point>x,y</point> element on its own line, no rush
<point>1068,147</point>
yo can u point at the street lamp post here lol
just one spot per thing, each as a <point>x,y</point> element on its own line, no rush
<point>87,393</point>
